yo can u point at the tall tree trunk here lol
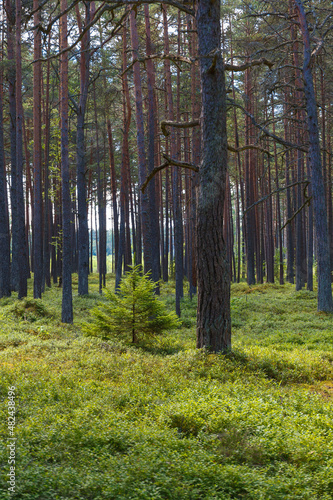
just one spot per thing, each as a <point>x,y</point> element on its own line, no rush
<point>5,284</point>
<point>101,208</point>
<point>22,244</point>
<point>178,240</point>
<point>83,265</point>
<point>124,166</point>
<point>145,210</point>
<point>67,305</point>
<point>278,206</point>
<point>250,214</point>
<point>11,76</point>
<point>213,317</point>
<point>153,212</point>
<point>38,200</point>
<point>113,191</point>
<point>47,202</point>
<point>319,206</point>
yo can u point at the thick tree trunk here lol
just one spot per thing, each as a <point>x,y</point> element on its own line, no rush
<point>67,306</point>
<point>213,316</point>
<point>318,190</point>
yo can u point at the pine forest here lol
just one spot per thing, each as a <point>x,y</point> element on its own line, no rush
<point>166,249</point>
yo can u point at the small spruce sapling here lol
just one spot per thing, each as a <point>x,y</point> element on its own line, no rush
<point>134,312</point>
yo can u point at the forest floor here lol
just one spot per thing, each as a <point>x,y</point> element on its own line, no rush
<point>98,420</point>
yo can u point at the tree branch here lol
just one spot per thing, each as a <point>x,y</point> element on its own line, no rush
<point>278,191</point>
<point>158,56</point>
<point>248,146</point>
<point>168,123</point>
<point>307,202</point>
<point>278,139</point>
<point>169,161</point>
<point>250,64</point>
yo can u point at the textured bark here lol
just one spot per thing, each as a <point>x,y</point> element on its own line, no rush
<point>124,209</point>
<point>67,305</point>
<point>278,206</point>
<point>113,191</point>
<point>178,240</point>
<point>11,76</point>
<point>22,243</point>
<point>83,236</point>
<point>28,193</point>
<point>47,242</point>
<point>319,206</point>
<point>5,284</point>
<point>153,211</point>
<point>250,214</point>
<point>309,281</point>
<point>213,316</point>
<point>101,208</point>
<point>195,112</point>
<point>145,209</point>
<point>289,231</point>
<point>37,158</point>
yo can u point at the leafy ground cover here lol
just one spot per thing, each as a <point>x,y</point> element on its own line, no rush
<point>104,420</point>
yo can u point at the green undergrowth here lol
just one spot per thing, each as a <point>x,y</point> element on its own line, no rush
<point>104,420</point>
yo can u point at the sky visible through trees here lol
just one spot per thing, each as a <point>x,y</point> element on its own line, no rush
<point>191,138</point>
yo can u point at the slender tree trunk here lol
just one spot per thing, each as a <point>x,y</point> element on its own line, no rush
<point>38,199</point>
<point>124,166</point>
<point>250,214</point>
<point>153,213</point>
<point>83,246</point>
<point>47,202</point>
<point>178,240</point>
<point>309,281</point>
<point>11,76</point>
<point>101,208</point>
<point>67,306</point>
<point>113,191</point>
<point>145,209</point>
<point>278,207</point>
<point>5,282</point>
<point>22,244</point>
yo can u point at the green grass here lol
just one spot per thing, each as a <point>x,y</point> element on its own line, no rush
<point>101,420</point>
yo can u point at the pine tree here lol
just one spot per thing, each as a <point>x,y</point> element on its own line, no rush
<point>135,312</point>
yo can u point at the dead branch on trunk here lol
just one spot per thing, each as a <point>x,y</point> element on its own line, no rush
<point>307,202</point>
<point>250,64</point>
<point>248,146</point>
<point>278,191</point>
<point>169,161</point>
<point>168,123</point>
<point>171,57</point>
<point>278,139</point>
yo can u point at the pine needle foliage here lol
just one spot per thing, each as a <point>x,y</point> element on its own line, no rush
<point>133,313</point>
